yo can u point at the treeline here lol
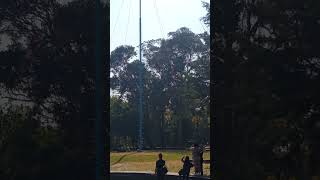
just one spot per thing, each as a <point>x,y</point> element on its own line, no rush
<point>176,91</point>
<point>265,65</point>
<point>47,88</point>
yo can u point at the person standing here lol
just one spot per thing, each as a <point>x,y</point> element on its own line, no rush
<point>160,169</point>
<point>201,162</point>
<point>196,158</point>
<point>185,171</point>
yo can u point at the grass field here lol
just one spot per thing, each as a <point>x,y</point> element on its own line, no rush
<point>145,161</point>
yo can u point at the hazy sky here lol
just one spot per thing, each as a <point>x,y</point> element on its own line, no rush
<point>172,14</point>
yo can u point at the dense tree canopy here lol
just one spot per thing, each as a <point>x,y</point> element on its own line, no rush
<point>265,73</point>
<point>176,82</point>
<point>47,67</point>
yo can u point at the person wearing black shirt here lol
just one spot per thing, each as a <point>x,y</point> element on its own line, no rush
<point>187,165</point>
<point>160,170</point>
<point>201,163</point>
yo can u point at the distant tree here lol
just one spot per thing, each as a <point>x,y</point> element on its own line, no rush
<point>121,117</point>
<point>176,79</point>
<point>206,18</point>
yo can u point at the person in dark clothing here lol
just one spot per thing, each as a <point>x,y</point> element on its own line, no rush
<point>201,163</point>
<point>160,169</point>
<point>196,158</point>
<point>185,171</point>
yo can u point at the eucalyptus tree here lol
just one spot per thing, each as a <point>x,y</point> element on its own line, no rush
<point>175,63</point>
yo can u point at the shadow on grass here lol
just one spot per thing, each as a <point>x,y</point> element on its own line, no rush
<point>120,159</point>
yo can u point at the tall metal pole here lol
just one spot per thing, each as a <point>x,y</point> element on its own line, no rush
<point>141,86</point>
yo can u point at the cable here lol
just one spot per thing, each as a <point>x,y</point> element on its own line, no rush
<point>159,21</point>
<point>125,39</point>
<point>117,17</point>
<point>158,17</point>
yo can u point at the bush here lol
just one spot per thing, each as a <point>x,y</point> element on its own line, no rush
<point>122,143</point>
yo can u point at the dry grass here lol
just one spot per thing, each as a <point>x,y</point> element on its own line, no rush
<point>145,161</point>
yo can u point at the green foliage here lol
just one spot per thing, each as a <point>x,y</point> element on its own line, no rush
<point>206,18</point>
<point>26,149</point>
<point>261,52</point>
<point>122,143</point>
<point>50,68</point>
<point>176,79</point>
<point>121,118</point>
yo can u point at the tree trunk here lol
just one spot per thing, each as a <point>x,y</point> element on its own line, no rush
<point>162,135</point>
<point>179,133</point>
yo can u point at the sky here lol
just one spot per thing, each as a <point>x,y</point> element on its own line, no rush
<point>159,17</point>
